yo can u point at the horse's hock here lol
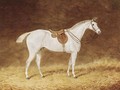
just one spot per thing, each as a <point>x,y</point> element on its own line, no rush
<point>60,35</point>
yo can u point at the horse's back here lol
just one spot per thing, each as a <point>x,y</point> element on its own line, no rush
<point>36,37</point>
<point>38,33</point>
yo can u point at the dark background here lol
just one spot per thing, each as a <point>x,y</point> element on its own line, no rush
<point>20,16</point>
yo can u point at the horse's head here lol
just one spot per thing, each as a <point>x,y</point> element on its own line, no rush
<point>93,26</point>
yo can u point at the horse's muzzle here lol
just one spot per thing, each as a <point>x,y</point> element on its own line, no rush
<point>99,32</point>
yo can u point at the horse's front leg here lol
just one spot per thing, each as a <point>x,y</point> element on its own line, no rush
<point>69,65</point>
<point>73,59</point>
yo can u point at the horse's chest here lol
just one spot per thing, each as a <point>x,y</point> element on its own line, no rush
<point>73,47</point>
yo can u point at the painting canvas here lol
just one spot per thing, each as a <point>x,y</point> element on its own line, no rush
<point>96,52</point>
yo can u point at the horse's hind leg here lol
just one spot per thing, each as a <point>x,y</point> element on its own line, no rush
<point>30,58</point>
<point>38,60</point>
<point>32,52</point>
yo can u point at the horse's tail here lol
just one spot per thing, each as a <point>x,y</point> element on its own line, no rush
<point>22,37</point>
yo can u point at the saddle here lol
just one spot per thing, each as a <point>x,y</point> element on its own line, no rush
<point>60,35</point>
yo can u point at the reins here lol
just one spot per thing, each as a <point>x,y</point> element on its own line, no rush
<point>77,40</point>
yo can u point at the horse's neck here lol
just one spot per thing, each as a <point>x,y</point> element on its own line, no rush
<point>80,30</point>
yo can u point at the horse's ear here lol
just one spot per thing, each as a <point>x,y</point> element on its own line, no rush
<point>95,19</point>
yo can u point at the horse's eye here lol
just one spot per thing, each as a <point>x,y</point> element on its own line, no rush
<point>92,24</point>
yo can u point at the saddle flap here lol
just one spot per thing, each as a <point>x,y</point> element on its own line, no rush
<point>62,38</point>
<point>60,35</point>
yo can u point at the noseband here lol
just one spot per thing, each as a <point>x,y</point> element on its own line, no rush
<point>92,25</point>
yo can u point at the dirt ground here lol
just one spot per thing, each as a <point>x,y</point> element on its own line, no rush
<point>98,75</point>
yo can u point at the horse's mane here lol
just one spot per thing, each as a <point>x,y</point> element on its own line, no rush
<point>79,23</point>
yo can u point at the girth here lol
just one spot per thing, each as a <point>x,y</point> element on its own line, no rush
<point>60,35</point>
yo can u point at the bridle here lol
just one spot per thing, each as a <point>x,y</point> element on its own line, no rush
<point>75,38</point>
<point>92,25</point>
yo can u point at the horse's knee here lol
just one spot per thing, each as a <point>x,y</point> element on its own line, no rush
<point>73,64</point>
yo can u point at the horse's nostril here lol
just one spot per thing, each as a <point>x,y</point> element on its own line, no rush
<point>99,32</point>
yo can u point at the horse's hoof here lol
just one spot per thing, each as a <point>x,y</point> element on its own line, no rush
<point>68,74</point>
<point>42,76</point>
<point>74,76</point>
<point>27,78</point>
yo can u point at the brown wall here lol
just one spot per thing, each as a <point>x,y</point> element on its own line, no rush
<point>19,16</point>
